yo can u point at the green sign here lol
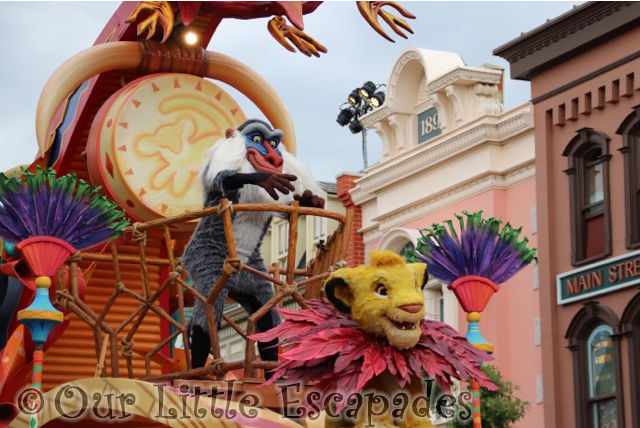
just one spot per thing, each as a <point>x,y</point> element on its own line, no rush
<point>599,278</point>
<point>428,125</point>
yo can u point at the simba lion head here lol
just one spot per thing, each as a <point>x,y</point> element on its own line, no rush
<point>385,298</point>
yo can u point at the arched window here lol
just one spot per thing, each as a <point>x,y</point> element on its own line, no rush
<point>588,154</point>
<point>594,340</point>
<point>631,327</point>
<point>602,380</point>
<point>630,131</point>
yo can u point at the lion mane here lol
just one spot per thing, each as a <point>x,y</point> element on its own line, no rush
<point>372,322</point>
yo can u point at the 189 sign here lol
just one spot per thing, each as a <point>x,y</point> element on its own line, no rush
<point>428,125</point>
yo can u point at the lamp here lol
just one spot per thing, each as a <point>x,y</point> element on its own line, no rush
<point>376,100</point>
<point>344,116</point>
<point>355,126</point>
<point>354,97</point>
<point>191,38</point>
<point>359,102</point>
<point>367,89</point>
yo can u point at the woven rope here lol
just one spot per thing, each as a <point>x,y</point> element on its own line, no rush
<point>289,289</point>
<point>230,269</point>
<point>215,367</point>
<point>64,298</point>
<point>76,258</point>
<point>228,207</point>
<point>127,348</point>
<point>179,267</point>
<point>137,235</point>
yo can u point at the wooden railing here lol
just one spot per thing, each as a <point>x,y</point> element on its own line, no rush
<point>106,337</point>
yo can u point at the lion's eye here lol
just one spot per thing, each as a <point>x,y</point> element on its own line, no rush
<point>381,291</point>
<point>256,139</point>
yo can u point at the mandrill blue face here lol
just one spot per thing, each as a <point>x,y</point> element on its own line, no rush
<point>262,144</point>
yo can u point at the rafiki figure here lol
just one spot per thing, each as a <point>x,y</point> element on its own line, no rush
<point>249,166</point>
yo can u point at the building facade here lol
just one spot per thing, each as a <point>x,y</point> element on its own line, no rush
<point>313,231</point>
<point>448,147</point>
<point>584,69</point>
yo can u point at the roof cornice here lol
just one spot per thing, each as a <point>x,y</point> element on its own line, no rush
<point>569,34</point>
<point>425,156</point>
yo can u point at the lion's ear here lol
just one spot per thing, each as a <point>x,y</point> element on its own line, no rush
<point>420,273</point>
<point>338,291</point>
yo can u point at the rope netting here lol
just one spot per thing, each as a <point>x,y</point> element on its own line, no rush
<point>120,338</point>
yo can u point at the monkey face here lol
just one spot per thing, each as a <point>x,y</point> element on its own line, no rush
<point>262,146</point>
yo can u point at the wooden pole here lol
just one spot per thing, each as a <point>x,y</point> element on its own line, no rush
<point>476,339</point>
<point>477,415</point>
<point>36,383</point>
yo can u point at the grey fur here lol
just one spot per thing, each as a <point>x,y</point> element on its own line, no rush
<point>205,254</point>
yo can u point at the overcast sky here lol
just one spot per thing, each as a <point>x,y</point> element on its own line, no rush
<point>37,37</point>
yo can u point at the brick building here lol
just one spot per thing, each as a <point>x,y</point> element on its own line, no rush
<point>584,69</point>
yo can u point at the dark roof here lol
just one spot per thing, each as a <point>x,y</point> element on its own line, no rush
<point>328,187</point>
<point>569,34</point>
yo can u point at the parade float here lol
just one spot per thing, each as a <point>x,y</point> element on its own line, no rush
<point>101,328</point>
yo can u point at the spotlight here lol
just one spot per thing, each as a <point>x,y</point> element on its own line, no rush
<point>367,89</point>
<point>344,116</point>
<point>355,126</point>
<point>376,100</point>
<point>354,97</point>
<point>191,38</point>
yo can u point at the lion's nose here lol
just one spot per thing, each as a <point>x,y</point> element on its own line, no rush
<point>412,309</point>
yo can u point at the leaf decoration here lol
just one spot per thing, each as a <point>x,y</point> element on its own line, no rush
<point>326,346</point>
<point>65,208</point>
<point>481,248</point>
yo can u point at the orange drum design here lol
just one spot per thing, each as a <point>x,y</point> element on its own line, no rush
<point>147,143</point>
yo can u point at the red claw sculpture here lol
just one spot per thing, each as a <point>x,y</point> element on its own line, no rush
<point>283,12</point>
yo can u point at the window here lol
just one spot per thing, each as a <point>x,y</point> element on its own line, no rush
<point>602,380</point>
<point>283,242</point>
<point>631,326</point>
<point>630,131</point>
<point>588,154</point>
<point>434,301</point>
<point>319,229</point>
<point>594,339</point>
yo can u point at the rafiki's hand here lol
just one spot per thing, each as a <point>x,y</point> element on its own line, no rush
<point>308,199</point>
<point>279,182</point>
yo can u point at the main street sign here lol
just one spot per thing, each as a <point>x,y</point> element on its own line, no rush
<point>599,278</point>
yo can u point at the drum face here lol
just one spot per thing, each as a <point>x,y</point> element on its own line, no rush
<point>148,141</point>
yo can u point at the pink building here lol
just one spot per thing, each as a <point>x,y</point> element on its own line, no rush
<point>448,147</point>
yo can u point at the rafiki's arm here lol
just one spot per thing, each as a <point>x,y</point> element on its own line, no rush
<point>269,182</point>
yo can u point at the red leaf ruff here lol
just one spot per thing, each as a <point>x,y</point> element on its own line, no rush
<point>326,346</point>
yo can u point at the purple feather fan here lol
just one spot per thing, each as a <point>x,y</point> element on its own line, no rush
<point>65,208</point>
<point>481,248</point>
